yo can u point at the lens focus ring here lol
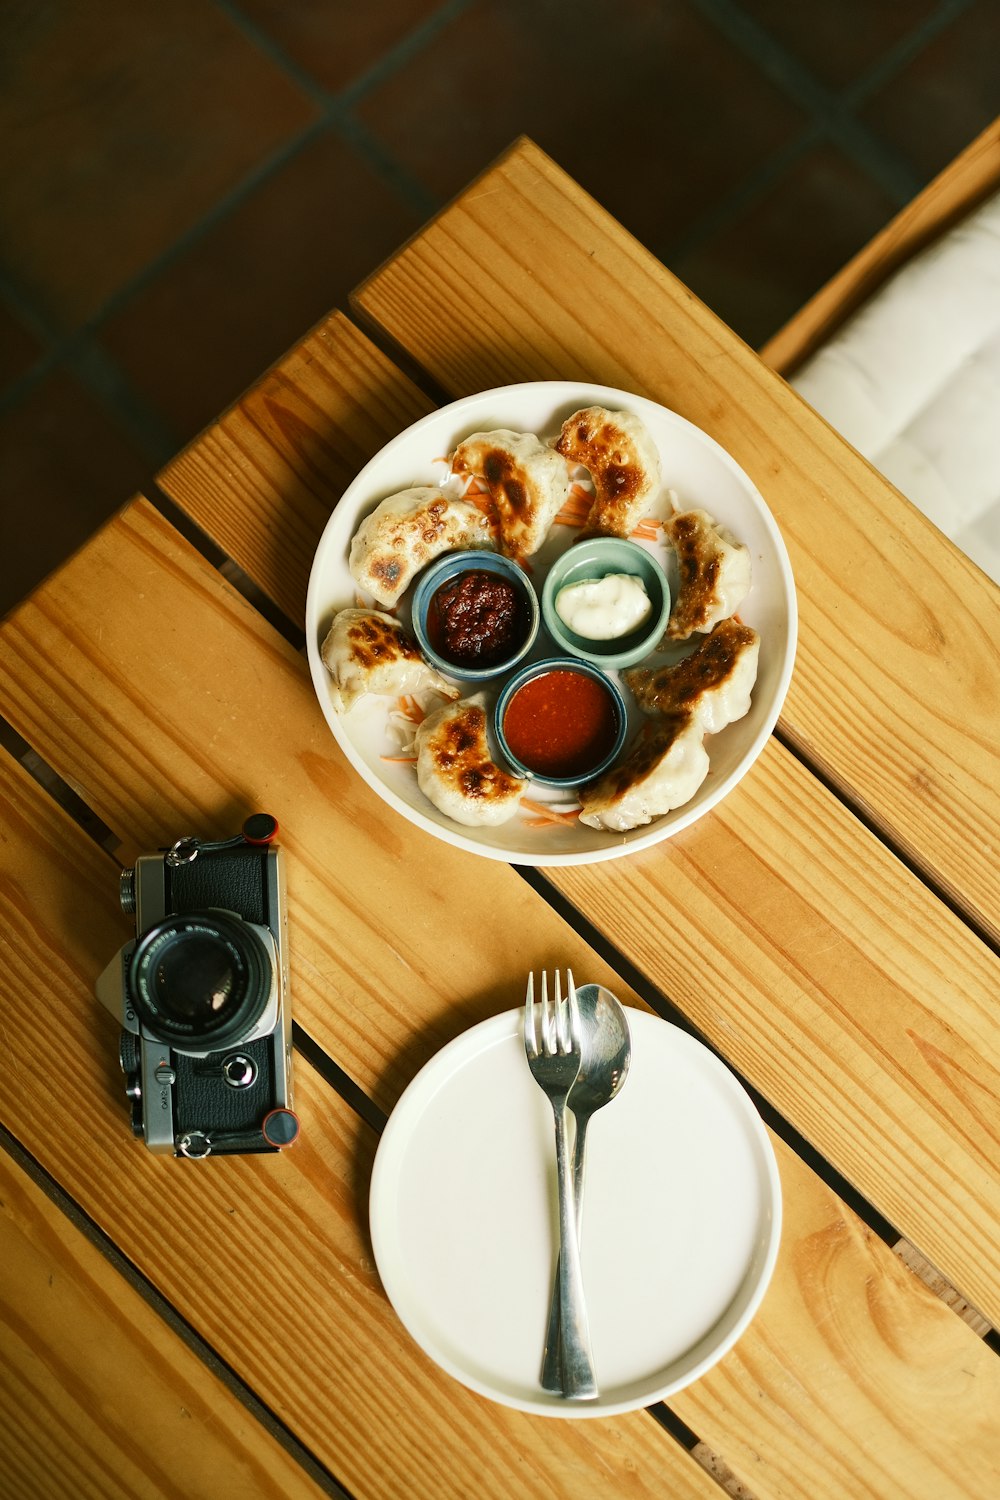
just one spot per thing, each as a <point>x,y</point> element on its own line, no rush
<point>200,980</point>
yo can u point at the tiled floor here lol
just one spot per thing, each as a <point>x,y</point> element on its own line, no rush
<point>186,187</point>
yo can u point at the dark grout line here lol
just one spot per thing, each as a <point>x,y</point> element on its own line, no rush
<point>80,351</point>
<point>169,1315</point>
<point>101,376</point>
<point>403,52</point>
<point>265,43</point>
<point>882,162</point>
<point>898,57</point>
<point>827,110</point>
<point>384,164</point>
<point>830,116</point>
<point>337,109</point>
<point>29,312</point>
<point>753,186</point>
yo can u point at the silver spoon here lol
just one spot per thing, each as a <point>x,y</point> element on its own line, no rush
<point>607,1049</point>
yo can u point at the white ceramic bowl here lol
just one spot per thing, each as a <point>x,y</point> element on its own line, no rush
<point>702,475</point>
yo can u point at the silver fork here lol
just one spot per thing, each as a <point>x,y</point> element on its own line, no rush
<point>553,1049</point>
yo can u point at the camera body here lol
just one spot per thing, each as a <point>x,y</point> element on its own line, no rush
<point>202,995</point>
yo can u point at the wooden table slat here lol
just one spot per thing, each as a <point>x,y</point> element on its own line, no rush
<point>122,1405</point>
<point>381,998</point>
<point>524,277</point>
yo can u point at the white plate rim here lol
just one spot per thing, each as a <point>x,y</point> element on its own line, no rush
<point>385,1174</point>
<point>586,393</point>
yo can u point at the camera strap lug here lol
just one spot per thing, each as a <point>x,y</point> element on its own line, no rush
<point>259,828</point>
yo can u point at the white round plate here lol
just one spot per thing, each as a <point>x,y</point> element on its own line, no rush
<point>682,1217</point>
<point>702,475</point>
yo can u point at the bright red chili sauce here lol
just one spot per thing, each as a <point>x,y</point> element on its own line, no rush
<point>562,724</point>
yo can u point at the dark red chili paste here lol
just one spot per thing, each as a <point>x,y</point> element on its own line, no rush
<point>477,619</point>
<point>562,724</point>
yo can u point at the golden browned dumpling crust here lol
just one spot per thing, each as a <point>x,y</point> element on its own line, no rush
<point>458,752</point>
<point>622,461</point>
<point>455,771</point>
<point>714,573</point>
<point>405,532</point>
<point>366,651</point>
<point>663,769</point>
<point>677,689</point>
<point>527,482</point>
<point>375,640</point>
<point>644,756</point>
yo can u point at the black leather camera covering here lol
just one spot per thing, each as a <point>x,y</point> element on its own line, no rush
<point>231,878</point>
<point>236,880</point>
<point>204,1101</point>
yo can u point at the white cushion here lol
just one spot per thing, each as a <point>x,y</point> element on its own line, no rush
<point>912,380</point>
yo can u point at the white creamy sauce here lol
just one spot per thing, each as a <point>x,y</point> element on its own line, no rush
<point>602,609</point>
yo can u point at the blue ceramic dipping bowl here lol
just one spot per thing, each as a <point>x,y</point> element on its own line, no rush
<point>594,559</point>
<point>450,566</point>
<point>561,664</point>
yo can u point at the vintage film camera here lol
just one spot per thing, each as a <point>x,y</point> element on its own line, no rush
<point>202,993</point>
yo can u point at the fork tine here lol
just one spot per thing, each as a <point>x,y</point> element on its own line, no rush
<point>565,1042</point>
<point>530,1034</point>
<point>573,1007</point>
<point>546,1021</point>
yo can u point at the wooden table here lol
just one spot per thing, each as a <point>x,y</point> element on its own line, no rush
<point>830,929</point>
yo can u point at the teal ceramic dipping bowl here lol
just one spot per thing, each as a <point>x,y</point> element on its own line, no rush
<point>451,565</point>
<point>596,558</point>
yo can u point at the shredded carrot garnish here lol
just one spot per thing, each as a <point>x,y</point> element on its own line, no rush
<point>410,708</point>
<point>545,813</point>
<point>572,514</point>
<point>647,530</point>
<point>399,760</point>
<point>576,507</point>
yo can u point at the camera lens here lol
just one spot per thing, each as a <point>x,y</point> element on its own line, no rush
<point>200,979</point>
<point>195,976</point>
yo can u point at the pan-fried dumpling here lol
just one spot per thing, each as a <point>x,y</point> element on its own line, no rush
<point>713,683</point>
<point>366,651</point>
<point>714,573</point>
<point>623,461</point>
<point>405,532</point>
<point>454,769</point>
<point>528,483</point>
<point>664,768</point>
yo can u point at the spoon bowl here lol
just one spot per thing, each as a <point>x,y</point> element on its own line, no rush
<point>607,1050</point>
